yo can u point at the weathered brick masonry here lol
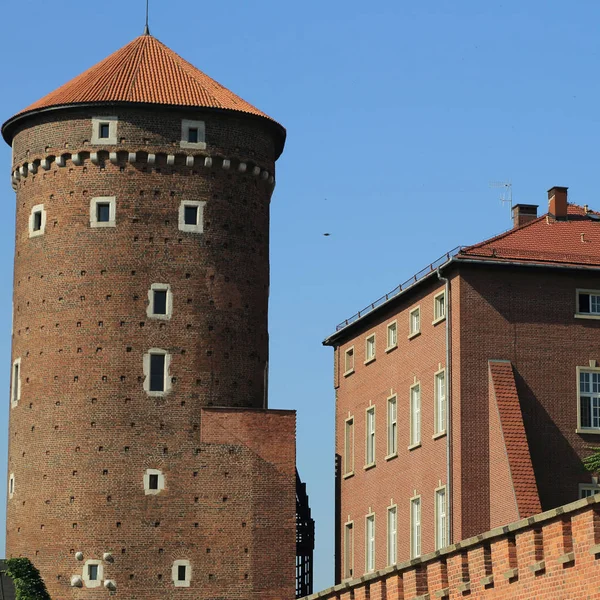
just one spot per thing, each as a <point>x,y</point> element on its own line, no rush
<point>84,431</point>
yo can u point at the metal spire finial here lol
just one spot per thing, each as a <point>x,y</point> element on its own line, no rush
<point>147,29</point>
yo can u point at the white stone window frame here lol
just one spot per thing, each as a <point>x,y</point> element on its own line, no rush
<point>175,573</point>
<point>439,307</point>
<point>199,226</point>
<point>370,542</point>
<point>349,433</point>
<point>167,376</point>
<point>348,550</point>
<point>15,380</point>
<point>112,211</point>
<point>349,361</point>
<point>370,437</point>
<point>38,208</point>
<point>591,395</point>
<point>441,518</point>
<point>392,426</point>
<point>393,326</point>
<point>415,526</point>
<point>92,583</point>
<point>415,415</point>
<point>160,287</point>
<point>370,348</point>
<point>186,125</point>
<point>414,324</point>
<point>440,403</point>
<point>112,123</point>
<point>11,485</point>
<point>161,482</point>
<point>392,535</point>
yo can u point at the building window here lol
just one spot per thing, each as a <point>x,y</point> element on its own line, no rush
<point>415,415</point>
<point>589,398</point>
<point>349,361</point>
<point>370,543</point>
<point>154,482</point>
<point>392,335</point>
<point>93,573</point>
<point>160,301</point>
<point>191,216</point>
<point>415,527</point>
<point>370,430</point>
<point>392,427</point>
<point>439,307</point>
<point>37,221</point>
<point>104,130</point>
<point>181,573</point>
<point>349,447</point>
<point>103,211</point>
<point>392,535</point>
<point>193,134</point>
<point>348,550</point>
<point>441,525</point>
<point>370,349</point>
<point>15,387</point>
<point>11,485</point>
<point>588,489</point>
<point>156,370</point>
<point>414,322</point>
<point>439,420</point>
<point>588,303</point>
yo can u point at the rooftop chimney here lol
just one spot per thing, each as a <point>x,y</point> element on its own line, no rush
<point>523,213</point>
<point>557,203</point>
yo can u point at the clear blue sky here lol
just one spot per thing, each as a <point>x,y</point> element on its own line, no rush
<point>399,114</point>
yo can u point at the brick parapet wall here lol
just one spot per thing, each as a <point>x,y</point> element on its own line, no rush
<point>550,556</point>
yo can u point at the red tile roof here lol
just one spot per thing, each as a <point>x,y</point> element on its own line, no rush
<point>574,241</point>
<point>515,440</point>
<point>145,71</point>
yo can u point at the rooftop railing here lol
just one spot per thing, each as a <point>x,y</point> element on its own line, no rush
<point>442,260</point>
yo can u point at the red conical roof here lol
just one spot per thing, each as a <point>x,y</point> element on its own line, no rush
<point>145,71</point>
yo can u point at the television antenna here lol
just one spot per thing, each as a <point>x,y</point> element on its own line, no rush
<point>506,196</point>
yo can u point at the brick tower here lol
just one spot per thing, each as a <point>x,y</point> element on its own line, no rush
<point>143,460</point>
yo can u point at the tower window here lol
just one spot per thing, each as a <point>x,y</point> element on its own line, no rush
<point>15,391</point>
<point>156,369</point>
<point>37,221</point>
<point>11,486</point>
<point>104,130</point>
<point>103,211</point>
<point>154,482</point>
<point>193,134</point>
<point>191,216</point>
<point>193,138</point>
<point>160,301</point>
<point>181,573</point>
<point>93,572</point>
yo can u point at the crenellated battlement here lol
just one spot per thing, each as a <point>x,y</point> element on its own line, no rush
<point>554,555</point>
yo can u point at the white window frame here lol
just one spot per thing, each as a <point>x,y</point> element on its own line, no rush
<point>167,376</point>
<point>370,437</point>
<point>175,573</point>
<point>370,543</point>
<point>440,403</point>
<point>412,331</point>
<point>592,488</point>
<point>93,583</point>
<point>112,211</point>
<point>186,125</point>
<point>415,415</point>
<point>160,287</point>
<point>348,550</point>
<point>199,226</point>
<point>38,208</point>
<point>392,534</point>
<point>415,526</point>
<point>370,348</point>
<point>392,426</point>
<point>393,326</point>
<point>441,518</point>
<point>161,482</point>
<point>11,485</point>
<point>112,123</point>
<point>349,432</point>
<point>593,396</point>
<point>349,352</point>
<point>439,315</point>
<point>591,314</point>
<point>15,380</point>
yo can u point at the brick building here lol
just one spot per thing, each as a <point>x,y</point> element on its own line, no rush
<point>141,445</point>
<point>465,398</point>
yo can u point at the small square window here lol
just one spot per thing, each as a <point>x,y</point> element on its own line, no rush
<point>181,571</point>
<point>160,302</point>
<point>104,131</point>
<point>103,212</point>
<point>93,572</point>
<point>153,481</point>
<point>190,215</point>
<point>37,220</point>
<point>192,139</point>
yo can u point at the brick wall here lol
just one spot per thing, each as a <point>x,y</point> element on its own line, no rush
<point>551,556</point>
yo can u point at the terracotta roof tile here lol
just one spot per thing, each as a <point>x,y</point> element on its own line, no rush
<point>574,241</point>
<point>145,71</point>
<point>515,439</point>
